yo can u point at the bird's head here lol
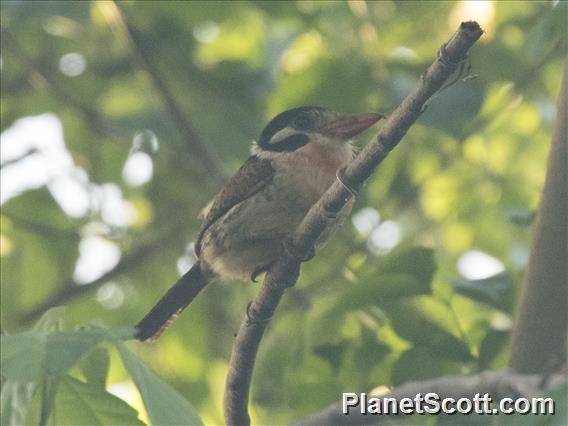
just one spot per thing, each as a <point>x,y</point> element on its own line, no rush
<point>295,128</point>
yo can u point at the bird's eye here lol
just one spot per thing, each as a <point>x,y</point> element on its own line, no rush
<point>302,122</point>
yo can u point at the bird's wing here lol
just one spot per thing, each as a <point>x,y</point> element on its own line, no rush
<point>253,175</point>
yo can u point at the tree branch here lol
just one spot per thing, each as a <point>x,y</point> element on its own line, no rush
<point>209,160</point>
<point>137,257</point>
<point>539,338</point>
<point>70,290</point>
<point>498,384</point>
<point>41,77</point>
<point>285,271</point>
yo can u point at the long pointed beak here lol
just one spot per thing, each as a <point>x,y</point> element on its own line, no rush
<point>346,126</point>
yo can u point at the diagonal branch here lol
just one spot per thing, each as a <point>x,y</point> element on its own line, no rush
<point>210,161</point>
<point>285,271</point>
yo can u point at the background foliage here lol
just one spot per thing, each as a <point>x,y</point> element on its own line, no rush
<point>427,272</point>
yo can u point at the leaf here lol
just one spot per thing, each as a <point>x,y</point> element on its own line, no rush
<point>14,402</point>
<point>31,355</point>
<point>494,343</point>
<point>79,403</point>
<point>22,356</point>
<point>545,35</point>
<point>449,110</point>
<point>418,262</point>
<point>427,322</point>
<point>327,318</point>
<point>17,396</point>
<point>164,405</point>
<point>95,367</point>
<point>453,108</point>
<point>401,274</point>
<point>494,291</point>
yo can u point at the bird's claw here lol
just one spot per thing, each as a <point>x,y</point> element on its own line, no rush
<point>291,250</point>
<point>258,271</point>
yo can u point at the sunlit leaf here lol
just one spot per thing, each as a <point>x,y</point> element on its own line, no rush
<point>164,405</point>
<point>79,403</point>
<point>404,273</point>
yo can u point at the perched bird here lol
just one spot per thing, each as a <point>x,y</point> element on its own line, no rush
<point>294,161</point>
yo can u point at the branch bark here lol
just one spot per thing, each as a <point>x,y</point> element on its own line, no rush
<point>285,270</point>
<point>539,338</point>
<point>498,384</point>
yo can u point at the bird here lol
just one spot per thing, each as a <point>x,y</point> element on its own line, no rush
<point>294,161</point>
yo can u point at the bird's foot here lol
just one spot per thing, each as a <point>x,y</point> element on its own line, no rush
<point>300,257</point>
<point>253,318</point>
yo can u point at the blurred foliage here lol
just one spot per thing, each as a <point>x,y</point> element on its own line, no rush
<point>466,177</point>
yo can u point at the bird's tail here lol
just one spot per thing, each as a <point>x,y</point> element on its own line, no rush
<point>170,306</point>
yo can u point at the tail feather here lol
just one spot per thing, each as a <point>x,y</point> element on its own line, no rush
<point>172,304</point>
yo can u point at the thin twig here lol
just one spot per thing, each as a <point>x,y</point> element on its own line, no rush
<point>284,272</point>
<point>41,77</point>
<point>210,161</point>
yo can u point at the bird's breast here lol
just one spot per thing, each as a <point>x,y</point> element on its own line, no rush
<point>311,170</point>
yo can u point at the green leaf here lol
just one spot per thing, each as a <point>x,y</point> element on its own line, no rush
<point>95,367</point>
<point>164,405</point>
<point>427,322</point>
<point>31,355</point>
<point>493,344</point>
<point>327,318</point>
<point>22,356</point>
<point>418,262</point>
<point>401,274</point>
<point>79,403</point>
<point>549,30</point>
<point>494,291</point>
<point>451,109</point>
<point>15,401</point>
<point>17,396</point>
